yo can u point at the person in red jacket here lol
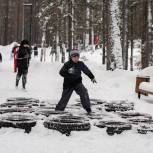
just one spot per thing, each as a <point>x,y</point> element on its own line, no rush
<point>14,51</point>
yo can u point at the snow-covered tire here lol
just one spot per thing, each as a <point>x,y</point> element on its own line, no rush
<point>132,114</point>
<point>145,128</point>
<point>18,120</point>
<point>114,126</point>
<point>93,101</point>
<point>22,99</point>
<point>15,109</point>
<point>118,106</point>
<point>47,112</point>
<point>138,120</point>
<point>21,102</point>
<point>66,124</point>
<point>93,116</point>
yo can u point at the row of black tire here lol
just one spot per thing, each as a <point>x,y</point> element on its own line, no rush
<point>65,122</point>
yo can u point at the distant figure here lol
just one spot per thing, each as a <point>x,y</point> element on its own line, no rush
<point>71,71</point>
<point>35,49</point>
<point>23,58</point>
<point>14,51</point>
<point>53,50</point>
<point>0,58</point>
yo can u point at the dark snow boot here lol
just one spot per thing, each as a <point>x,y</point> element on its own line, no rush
<point>23,81</point>
<point>17,81</point>
<point>89,111</point>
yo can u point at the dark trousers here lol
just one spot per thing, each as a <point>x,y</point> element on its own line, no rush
<point>67,92</point>
<point>22,73</point>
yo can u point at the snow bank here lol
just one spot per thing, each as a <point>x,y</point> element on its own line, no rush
<point>6,51</point>
<point>147,71</point>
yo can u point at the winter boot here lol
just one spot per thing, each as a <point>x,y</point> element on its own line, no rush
<point>17,81</point>
<point>23,81</point>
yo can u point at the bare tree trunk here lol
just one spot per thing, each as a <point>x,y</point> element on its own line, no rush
<point>87,24</point>
<point>18,20</point>
<point>63,53</point>
<point>70,24</point>
<point>57,46</point>
<point>147,50</point>
<point>131,38</point>
<point>150,33</point>
<point>104,32</point>
<point>43,41</point>
<point>125,35</point>
<point>6,22</point>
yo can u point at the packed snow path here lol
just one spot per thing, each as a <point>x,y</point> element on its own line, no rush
<point>44,82</point>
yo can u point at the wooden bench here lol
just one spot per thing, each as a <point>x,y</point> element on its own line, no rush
<point>141,91</point>
<point>145,88</point>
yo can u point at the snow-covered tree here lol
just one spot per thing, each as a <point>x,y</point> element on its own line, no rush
<point>114,52</point>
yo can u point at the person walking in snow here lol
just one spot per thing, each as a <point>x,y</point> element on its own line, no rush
<point>35,49</point>
<point>23,57</point>
<point>71,71</point>
<point>0,58</point>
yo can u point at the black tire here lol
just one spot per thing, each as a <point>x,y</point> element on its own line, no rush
<point>118,106</point>
<point>66,124</point>
<point>18,120</point>
<point>20,102</point>
<point>47,112</point>
<point>15,109</point>
<point>92,101</point>
<point>114,126</point>
<point>137,120</point>
<point>28,130</point>
<point>134,114</point>
<point>145,128</point>
<point>119,131</point>
<point>110,131</point>
<point>13,99</point>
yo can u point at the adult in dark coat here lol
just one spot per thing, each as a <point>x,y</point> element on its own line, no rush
<point>71,71</point>
<point>23,59</point>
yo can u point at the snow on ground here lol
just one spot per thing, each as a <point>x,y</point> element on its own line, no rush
<point>44,82</point>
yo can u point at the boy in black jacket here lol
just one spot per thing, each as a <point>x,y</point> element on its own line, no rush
<point>71,71</point>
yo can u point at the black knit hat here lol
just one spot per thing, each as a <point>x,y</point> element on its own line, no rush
<point>25,42</point>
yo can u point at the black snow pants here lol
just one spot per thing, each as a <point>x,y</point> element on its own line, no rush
<point>67,92</point>
<point>23,73</point>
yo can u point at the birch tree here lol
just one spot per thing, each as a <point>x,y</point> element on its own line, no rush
<point>114,52</point>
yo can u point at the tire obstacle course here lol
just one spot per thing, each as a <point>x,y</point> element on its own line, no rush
<point>13,114</point>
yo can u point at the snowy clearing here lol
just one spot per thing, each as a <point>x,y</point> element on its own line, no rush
<point>45,83</point>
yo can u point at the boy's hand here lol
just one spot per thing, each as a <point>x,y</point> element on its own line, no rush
<point>94,80</point>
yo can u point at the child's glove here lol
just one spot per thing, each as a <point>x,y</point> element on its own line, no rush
<point>94,80</point>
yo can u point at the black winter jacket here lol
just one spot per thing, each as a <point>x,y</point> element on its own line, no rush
<point>72,79</point>
<point>23,57</point>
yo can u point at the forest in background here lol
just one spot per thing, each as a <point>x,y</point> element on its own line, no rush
<point>111,24</point>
